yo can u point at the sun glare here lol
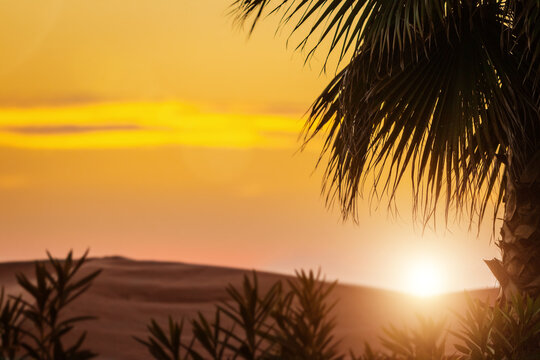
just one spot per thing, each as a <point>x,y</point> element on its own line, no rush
<point>424,279</point>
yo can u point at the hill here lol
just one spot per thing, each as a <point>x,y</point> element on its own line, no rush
<point>128,293</point>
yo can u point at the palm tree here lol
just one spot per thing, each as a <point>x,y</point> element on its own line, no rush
<point>446,91</point>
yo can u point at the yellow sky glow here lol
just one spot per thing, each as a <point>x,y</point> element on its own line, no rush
<point>155,129</point>
<point>117,125</point>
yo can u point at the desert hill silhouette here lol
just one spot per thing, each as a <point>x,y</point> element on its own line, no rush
<point>130,292</point>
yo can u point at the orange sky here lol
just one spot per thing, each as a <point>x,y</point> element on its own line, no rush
<point>154,129</point>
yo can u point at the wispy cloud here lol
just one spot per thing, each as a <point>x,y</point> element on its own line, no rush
<point>136,124</point>
<point>67,129</point>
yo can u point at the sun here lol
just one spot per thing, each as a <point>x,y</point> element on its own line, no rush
<point>424,279</point>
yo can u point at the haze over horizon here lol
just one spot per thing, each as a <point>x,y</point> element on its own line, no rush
<point>158,131</point>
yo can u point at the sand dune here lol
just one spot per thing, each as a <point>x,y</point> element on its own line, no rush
<point>128,293</point>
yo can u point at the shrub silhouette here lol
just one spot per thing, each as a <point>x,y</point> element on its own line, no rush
<point>293,321</point>
<point>508,331</point>
<point>505,331</point>
<point>251,313</point>
<point>304,324</point>
<point>11,310</point>
<point>426,341</point>
<point>35,327</point>
<point>165,346</point>
<point>278,324</point>
<point>212,337</point>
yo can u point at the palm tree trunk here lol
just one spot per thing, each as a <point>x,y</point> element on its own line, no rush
<point>519,269</point>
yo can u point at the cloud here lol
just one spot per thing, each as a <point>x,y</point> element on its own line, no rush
<point>280,134</point>
<point>285,109</point>
<point>135,124</point>
<point>67,129</point>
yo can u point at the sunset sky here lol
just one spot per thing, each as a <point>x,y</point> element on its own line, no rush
<point>158,130</point>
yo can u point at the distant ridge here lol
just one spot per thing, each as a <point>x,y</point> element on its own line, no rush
<point>130,292</point>
<point>112,257</point>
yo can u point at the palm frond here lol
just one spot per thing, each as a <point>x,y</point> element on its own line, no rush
<point>526,33</point>
<point>431,89</point>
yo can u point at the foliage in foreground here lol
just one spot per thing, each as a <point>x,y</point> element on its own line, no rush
<point>286,320</point>
<point>505,331</point>
<point>291,321</point>
<point>34,326</point>
<point>294,321</point>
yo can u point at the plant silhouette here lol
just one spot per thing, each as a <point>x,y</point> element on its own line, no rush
<point>292,321</point>
<point>445,90</point>
<point>35,326</point>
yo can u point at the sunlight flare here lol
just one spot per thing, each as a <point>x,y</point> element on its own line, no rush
<point>425,279</point>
